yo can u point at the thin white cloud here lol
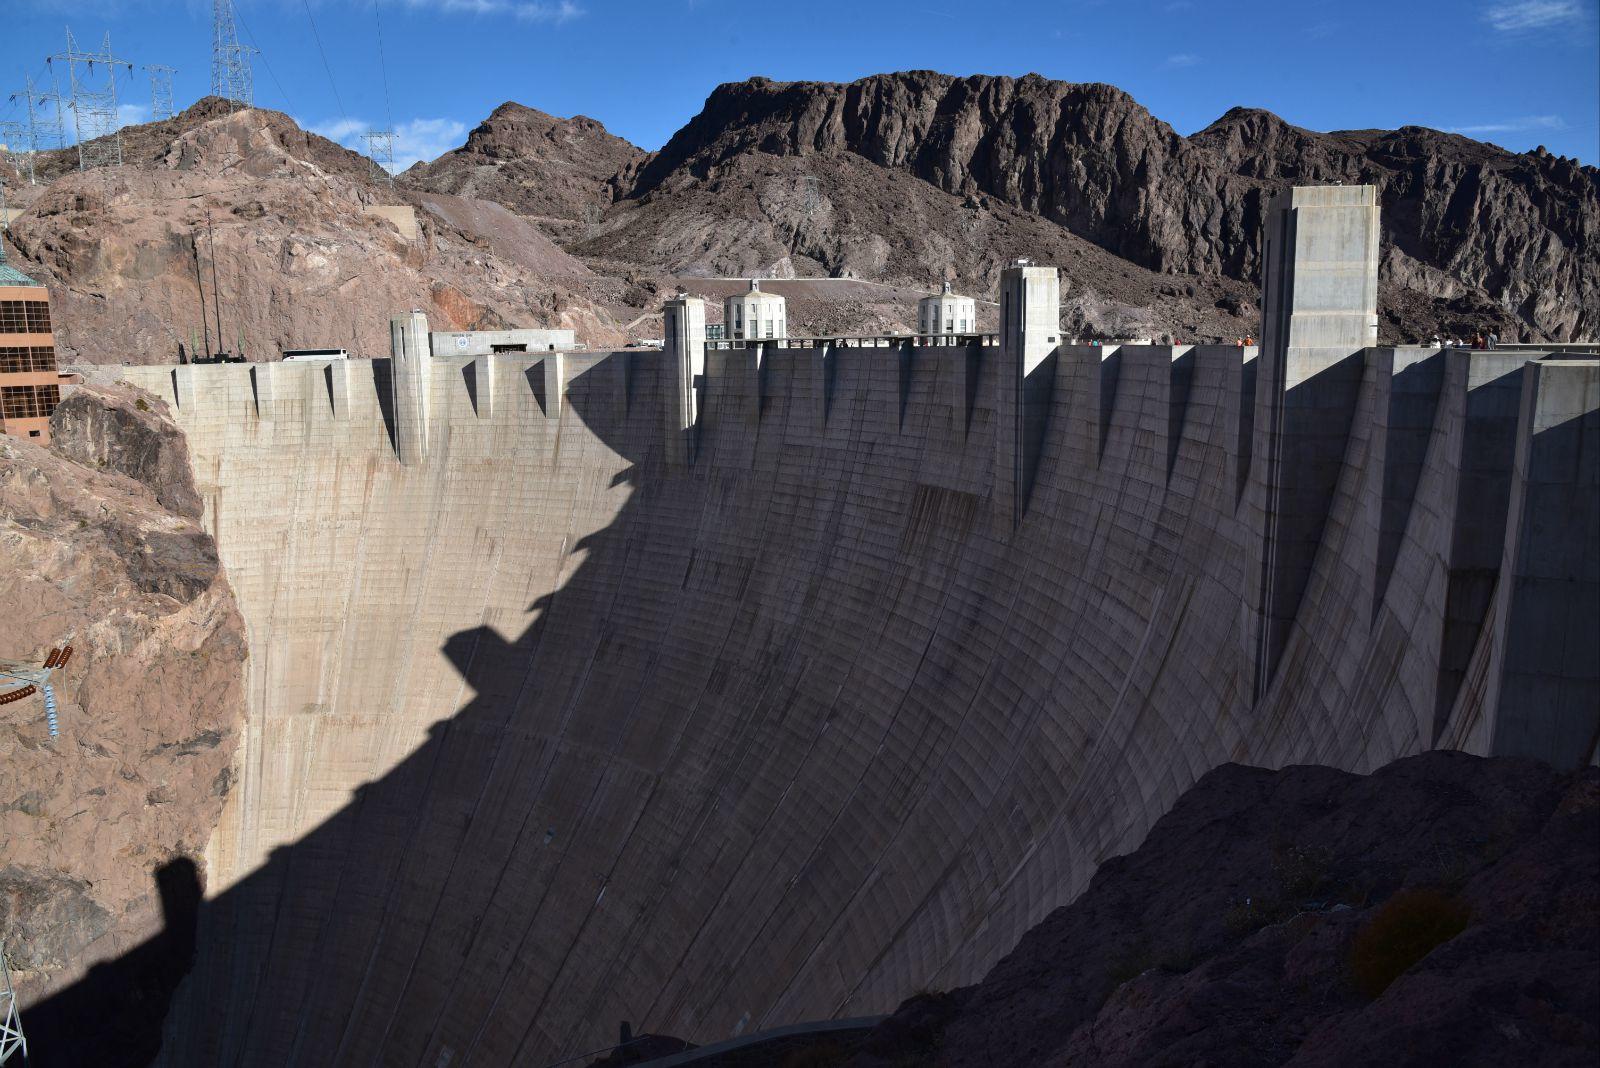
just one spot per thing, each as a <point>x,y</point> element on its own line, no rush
<point>414,141</point>
<point>1519,16</point>
<point>554,12</point>
<point>340,130</point>
<point>1183,59</point>
<point>132,114</point>
<point>425,139</point>
<point>1527,122</point>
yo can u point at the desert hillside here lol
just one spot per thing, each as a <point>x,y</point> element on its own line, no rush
<point>904,180</point>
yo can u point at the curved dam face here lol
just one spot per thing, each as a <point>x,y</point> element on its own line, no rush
<point>830,690</point>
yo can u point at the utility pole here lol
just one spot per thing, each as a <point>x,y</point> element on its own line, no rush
<point>161,91</point>
<point>231,77</point>
<point>380,149</point>
<point>94,105</point>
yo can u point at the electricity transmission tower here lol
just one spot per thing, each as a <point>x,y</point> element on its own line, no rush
<point>19,149</point>
<point>231,77</point>
<point>12,1040</point>
<point>380,149</point>
<point>42,125</point>
<point>161,91</point>
<point>813,197</point>
<point>93,102</point>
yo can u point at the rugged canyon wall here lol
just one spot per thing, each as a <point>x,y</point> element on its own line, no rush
<point>1470,229</point>
<point>290,229</point>
<point>551,729</point>
<point>100,827</point>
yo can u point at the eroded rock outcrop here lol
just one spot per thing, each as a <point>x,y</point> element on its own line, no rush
<point>1474,233</point>
<point>102,548</point>
<point>554,170</point>
<point>286,231</point>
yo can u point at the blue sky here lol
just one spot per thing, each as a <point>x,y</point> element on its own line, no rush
<point>1516,72</point>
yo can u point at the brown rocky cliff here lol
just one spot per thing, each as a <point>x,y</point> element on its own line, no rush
<point>101,545</point>
<point>1464,221</point>
<point>553,170</point>
<point>299,259</point>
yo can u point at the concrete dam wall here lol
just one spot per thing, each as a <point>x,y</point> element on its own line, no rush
<point>717,690</point>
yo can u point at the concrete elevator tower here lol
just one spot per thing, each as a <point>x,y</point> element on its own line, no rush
<point>683,360</point>
<point>410,356</point>
<point>1030,333</point>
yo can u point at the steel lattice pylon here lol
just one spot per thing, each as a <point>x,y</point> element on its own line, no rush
<point>12,1040</point>
<point>43,127</point>
<point>231,77</point>
<point>18,141</point>
<point>161,91</point>
<point>93,103</point>
<point>380,149</point>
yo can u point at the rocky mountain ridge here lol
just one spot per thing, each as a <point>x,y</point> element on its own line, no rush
<point>302,258</point>
<point>557,171</point>
<point>1470,229</point>
<point>906,179</point>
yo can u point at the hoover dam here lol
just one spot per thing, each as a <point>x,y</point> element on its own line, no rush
<point>734,685</point>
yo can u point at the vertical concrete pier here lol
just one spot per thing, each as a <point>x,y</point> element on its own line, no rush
<point>684,363</point>
<point>1319,309</point>
<point>408,345</point>
<point>1030,316</point>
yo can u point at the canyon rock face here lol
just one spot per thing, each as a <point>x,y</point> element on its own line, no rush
<point>1443,907</point>
<point>556,171</point>
<point>908,179</point>
<point>284,219</point>
<point>102,548</point>
<point>1472,233</point>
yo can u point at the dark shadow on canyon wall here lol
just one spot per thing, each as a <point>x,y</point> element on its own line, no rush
<point>293,998</point>
<point>113,1015</point>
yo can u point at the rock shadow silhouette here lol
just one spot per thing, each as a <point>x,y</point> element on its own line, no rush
<point>113,1015</point>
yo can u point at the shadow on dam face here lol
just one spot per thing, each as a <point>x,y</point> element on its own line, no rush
<point>807,728</point>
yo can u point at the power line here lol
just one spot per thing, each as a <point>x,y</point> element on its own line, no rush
<point>344,114</point>
<point>256,47</point>
<point>383,66</point>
